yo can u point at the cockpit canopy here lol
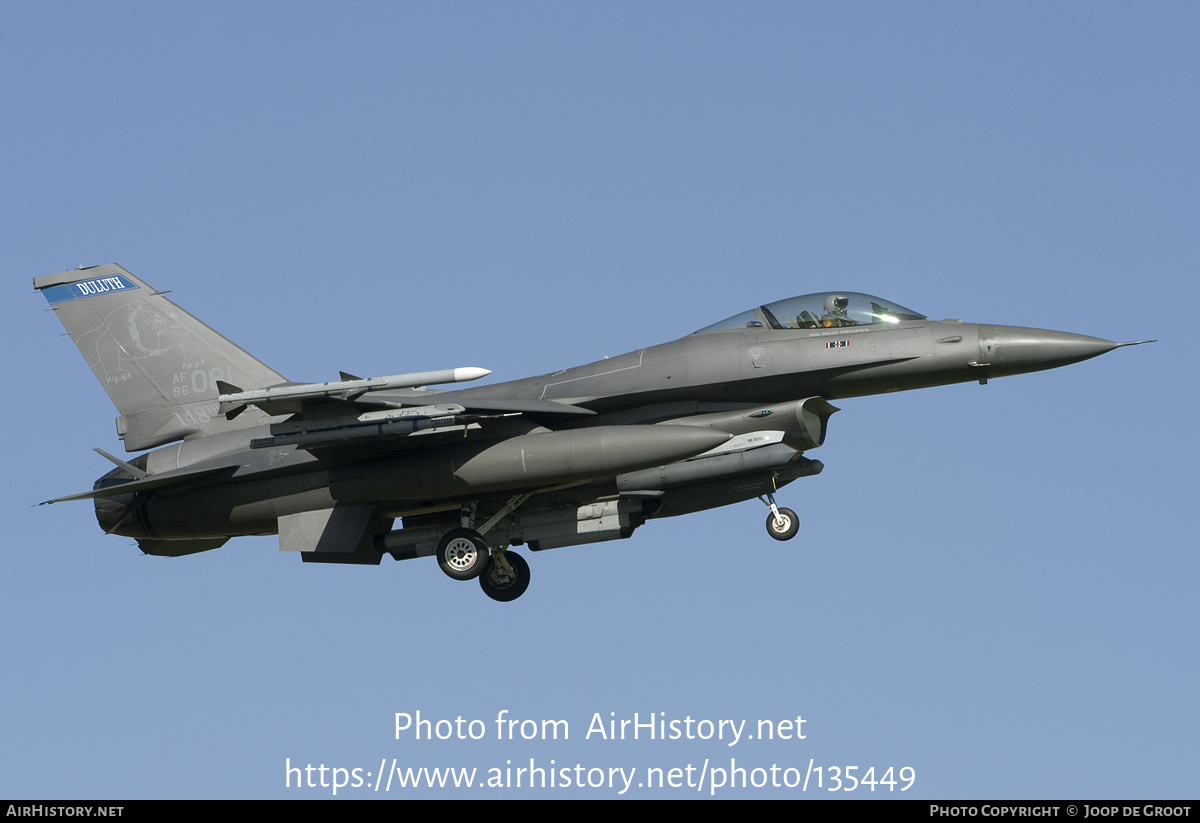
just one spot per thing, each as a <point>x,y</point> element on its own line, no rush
<point>824,310</point>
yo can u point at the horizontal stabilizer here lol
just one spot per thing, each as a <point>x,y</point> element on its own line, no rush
<point>175,481</point>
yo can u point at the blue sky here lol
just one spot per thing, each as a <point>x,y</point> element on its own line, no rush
<point>993,586</point>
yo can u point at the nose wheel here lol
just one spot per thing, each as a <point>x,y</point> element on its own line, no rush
<point>782,523</point>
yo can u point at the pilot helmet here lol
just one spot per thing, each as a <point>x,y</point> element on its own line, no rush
<point>836,304</point>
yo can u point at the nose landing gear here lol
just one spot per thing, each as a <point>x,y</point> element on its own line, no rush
<point>782,523</point>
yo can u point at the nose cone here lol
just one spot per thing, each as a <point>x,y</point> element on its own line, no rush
<point>1014,350</point>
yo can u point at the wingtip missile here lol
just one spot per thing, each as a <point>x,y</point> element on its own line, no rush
<point>468,373</point>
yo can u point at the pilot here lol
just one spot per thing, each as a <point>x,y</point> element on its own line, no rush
<point>835,312</point>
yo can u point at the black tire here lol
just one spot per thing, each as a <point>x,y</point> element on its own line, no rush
<point>462,554</point>
<point>505,589</point>
<point>789,528</point>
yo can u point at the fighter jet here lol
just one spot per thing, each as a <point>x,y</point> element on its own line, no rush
<point>583,455</point>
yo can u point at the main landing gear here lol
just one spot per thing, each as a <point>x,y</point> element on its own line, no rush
<point>782,523</point>
<point>505,577</point>
<point>463,555</point>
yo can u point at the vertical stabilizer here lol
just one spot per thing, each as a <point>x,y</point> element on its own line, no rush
<point>159,364</point>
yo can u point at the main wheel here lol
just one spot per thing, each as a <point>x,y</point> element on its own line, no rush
<point>505,587</point>
<point>462,553</point>
<point>786,527</point>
